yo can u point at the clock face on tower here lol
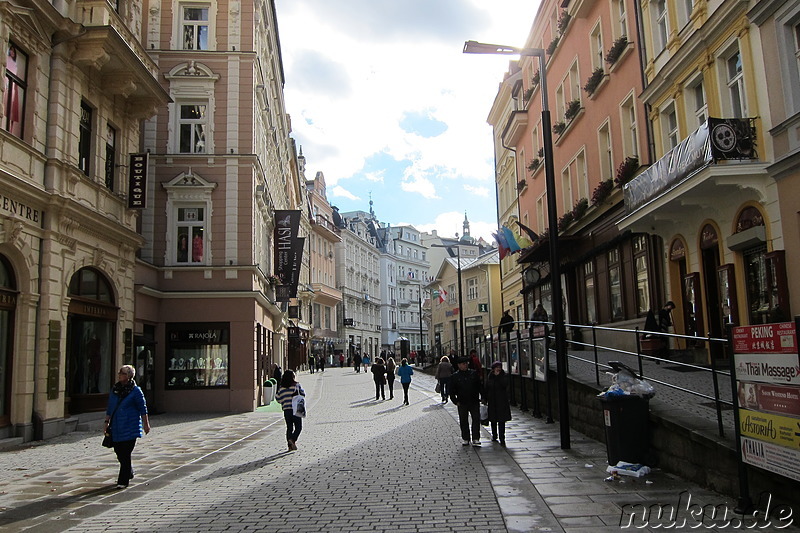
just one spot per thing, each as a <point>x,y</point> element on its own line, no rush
<point>532,276</point>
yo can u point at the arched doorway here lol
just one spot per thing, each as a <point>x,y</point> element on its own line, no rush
<point>8,303</point>
<point>90,341</point>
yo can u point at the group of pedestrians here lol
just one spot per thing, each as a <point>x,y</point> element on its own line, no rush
<point>467,387</point>
<point>127,418</point>
<point>384,374</point>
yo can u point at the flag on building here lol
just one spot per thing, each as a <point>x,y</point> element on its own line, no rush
<point>532,234</point>
<point>442,295</point>
<point>501,244</point>
<point>510,239</point>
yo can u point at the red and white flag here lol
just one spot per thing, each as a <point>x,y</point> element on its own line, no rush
<point>442,295</point>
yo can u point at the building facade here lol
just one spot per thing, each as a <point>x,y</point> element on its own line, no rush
<point>221,164</point>
<point>325,235</point>
<point>404,272</point>
<point>600,140</point>
<point>710,196</point>
<point>358,277</point>
<point>77,84</point>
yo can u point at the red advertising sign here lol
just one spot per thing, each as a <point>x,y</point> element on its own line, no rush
<point>765,338</point>
<point>770,398</point>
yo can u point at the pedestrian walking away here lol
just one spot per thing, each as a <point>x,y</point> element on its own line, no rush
<point>405,372</point>
<point>357,363</point>
<point>312,363</point>
<point>288,389</point>
<point>365,362</point>
<point>126,419</point>
<point>443,373</point>
<point>465,392</point>
<point>540,313</point>
<point>506,323</point>
<point>390,369</point>
<point>379,376</point>
<point>341,360</point>
<point>496,399</point>
<point>277,373</point>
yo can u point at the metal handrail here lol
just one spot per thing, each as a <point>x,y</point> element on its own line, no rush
<point>514,340</point>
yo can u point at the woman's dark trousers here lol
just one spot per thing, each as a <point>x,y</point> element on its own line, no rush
<point>124,450</point>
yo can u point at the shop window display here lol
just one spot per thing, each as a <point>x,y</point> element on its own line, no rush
<point>197,355</point>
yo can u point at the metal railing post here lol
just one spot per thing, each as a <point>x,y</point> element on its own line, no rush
<point>523,397</point>
<point>512,399</point>
<point>596,359</point>
<point>717,403</point>
<point>547,373</point>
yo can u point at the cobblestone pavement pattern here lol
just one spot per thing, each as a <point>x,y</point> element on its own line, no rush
<point>361,465</point>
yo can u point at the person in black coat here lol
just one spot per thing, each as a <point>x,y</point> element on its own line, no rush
<point>496,398</point>
<point>506,323</point>
<point>465,392</point>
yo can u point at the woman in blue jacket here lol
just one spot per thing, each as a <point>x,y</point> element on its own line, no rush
<point>127,414</point>
<point>405,372</point>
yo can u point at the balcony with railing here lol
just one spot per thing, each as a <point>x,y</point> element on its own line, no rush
<point>326,228</point>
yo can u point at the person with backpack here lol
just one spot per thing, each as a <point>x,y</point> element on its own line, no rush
<point>289,388</point>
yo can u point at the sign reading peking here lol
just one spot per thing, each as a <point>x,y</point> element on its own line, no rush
<point>137,181</point>
<point>767,371</point>
<point>287,258</point>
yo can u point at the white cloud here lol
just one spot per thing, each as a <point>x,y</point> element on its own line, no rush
<point>420,185</point>
<point>340,192</point>
<point>356,69</point>
<point>477,191</point>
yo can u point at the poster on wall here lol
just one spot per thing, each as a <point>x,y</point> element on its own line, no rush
<point>766,366</point>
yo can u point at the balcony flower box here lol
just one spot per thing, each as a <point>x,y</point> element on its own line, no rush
<point>594,81</point>
<point>615,52</point>
<point>626,171</point>
<point>602,191</point>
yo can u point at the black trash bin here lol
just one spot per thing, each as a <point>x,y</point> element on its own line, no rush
<point>626,424</point>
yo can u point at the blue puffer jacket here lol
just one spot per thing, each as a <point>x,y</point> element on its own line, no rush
<point>126,424</point>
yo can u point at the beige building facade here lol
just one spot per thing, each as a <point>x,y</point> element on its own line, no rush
<point>77,84</point>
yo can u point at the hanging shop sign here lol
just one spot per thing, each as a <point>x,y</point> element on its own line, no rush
<point>288,253</point>
<point>137,181</point>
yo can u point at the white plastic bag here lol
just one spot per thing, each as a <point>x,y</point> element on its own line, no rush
<point>299,406</point>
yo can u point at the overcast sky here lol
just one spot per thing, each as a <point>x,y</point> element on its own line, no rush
<point>385,104</point>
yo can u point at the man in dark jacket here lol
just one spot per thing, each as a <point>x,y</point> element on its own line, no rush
<point>506,323</point>
<point>465,393</point>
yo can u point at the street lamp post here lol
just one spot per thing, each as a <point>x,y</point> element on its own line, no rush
<point>457,255</point>
<point>421,338</point>
<point>473,47</point>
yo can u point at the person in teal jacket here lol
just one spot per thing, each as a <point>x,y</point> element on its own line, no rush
<point>126,418</point>
<point>404,371</point>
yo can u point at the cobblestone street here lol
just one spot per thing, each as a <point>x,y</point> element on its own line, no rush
<point>362,465</point>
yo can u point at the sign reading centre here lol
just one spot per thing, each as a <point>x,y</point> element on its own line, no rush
<point>288,254</point>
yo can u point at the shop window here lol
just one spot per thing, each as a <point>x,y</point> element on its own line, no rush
<point>589,292</point>
<point>755,271</point>
<point>8,298</point>
<point>642,274</point>
<point>16,85</point>
<point>90,340</point>
<point>615,285</point>
<point>197,355</point>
